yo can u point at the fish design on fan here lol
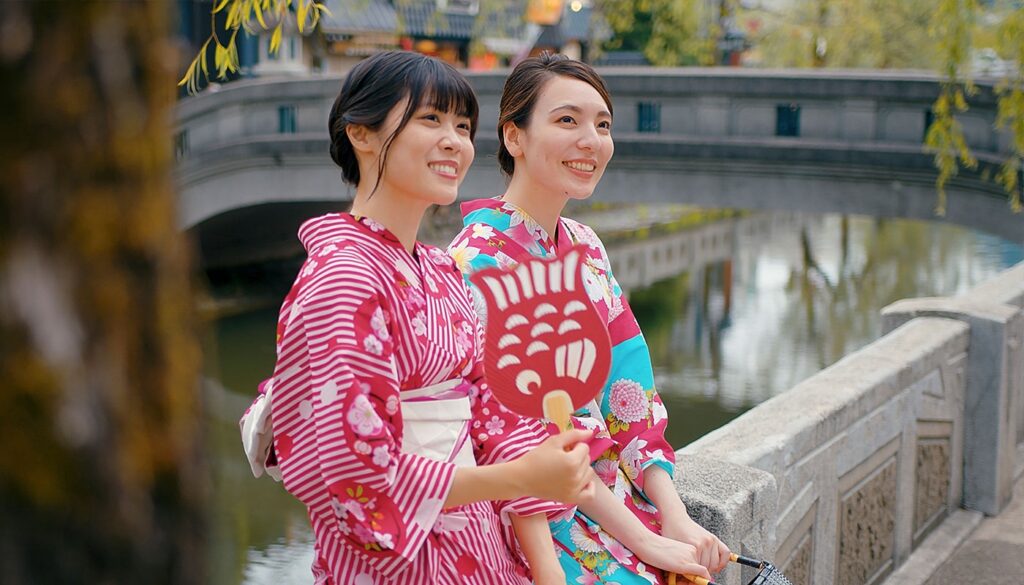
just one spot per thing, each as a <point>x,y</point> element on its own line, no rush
<point>546,351</point>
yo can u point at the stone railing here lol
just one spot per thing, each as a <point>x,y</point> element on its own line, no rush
<point>838,479</point>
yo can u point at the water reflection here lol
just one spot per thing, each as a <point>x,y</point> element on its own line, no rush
<point>795,295</point>
<point>778,298</point>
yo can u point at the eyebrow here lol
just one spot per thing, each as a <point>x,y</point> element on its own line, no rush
<point>577,109</point>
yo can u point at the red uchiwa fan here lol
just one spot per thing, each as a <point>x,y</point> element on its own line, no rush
<point>546,350</point>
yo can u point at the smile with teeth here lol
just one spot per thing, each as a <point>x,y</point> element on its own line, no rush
<point>444,169</point>
<point>580,166</point>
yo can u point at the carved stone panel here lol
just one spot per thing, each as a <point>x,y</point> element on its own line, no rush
<point>795,556</point>
<point>798,566</point>
<point>867,520</point>
<point>931,475</point>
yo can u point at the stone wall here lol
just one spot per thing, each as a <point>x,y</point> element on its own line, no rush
<point>851,469</point>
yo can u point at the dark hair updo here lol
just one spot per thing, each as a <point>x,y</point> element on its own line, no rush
<point>377,84</point>
<point>523,87</point>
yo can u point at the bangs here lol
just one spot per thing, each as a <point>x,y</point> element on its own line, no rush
<point>439,86</point>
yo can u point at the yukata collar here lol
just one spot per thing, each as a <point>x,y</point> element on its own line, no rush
<point>383,234</point>
<point>564,239</point>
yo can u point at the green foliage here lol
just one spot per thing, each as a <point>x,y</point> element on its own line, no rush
<point>951,27</point>
<point>247,14</point>
<point>1010,114</point>
<point>668,32</point>
<point>851,33</point>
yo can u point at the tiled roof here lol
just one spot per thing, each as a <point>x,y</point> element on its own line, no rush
<point>422,19</point>
<point>348,16</point>
<point>574,26</point>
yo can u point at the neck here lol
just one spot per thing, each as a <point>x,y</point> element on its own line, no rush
<point>400,215</point>
<point>543,206</point>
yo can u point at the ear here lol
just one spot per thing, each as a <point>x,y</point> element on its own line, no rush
<point>512,135</point>
<point>361,137</point>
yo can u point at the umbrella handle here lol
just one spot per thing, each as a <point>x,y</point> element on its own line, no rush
<point>733,558</point>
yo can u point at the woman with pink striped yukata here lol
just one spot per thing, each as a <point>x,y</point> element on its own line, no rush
<point>382,424</point>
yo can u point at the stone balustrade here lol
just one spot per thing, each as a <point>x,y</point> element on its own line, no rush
<point>838,479</point>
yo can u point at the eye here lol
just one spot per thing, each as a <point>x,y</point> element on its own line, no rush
<point>566,120</point>
<point>465,126</point>
<point>431,116</point>
<point>604,125</point>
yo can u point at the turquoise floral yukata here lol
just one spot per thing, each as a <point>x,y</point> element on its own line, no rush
<point>628,416</point>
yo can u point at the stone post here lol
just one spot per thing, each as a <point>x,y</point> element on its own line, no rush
<point>994,384</point>
<point>734,502</point>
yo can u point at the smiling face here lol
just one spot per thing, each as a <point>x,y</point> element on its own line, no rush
<point>567,143</point>
<point>428,159</point>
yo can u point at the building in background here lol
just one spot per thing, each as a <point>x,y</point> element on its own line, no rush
<point>466,33</point>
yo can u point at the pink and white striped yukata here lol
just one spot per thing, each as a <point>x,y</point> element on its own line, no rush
<point>372,342</point>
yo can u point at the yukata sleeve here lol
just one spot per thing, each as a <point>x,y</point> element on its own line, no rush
<point>383,502</point>
<point>635,414</point>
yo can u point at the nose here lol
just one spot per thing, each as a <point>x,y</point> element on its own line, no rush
<point>588,138</point>
<point>450,139</point>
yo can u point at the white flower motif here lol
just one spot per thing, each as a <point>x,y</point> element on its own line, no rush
<point>583,540</point>
<point>606,470</point>
<point>495,426</point>
<point>505,261</point>
<point>355,509</point>
<point>328,392</point>
<point>595,290</point>
<point>363,417</point>
<point>309,267</point>
<point>384,540</point>
<point>373,224</point>
<point>438,257</point>
<point>479,305</point>
<point>327,249</point>
<point>630,457</point>
<point>520,217</point>
<point>616,309</point>
<point>381,457</point>
<point>483,231</point>
<point>628,401</point>
<point>373,345</point>
<point>658,412</point>
<point>379,324</point>
<point>391,405</point>
<point>362,447</point>
<point>462,255</point>
<point>419,325</point>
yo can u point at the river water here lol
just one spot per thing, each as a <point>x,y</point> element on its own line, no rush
<point>783,296</point>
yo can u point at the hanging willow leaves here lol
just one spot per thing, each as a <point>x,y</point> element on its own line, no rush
<point>247,15</point>
<point>1010,111</point>
<point>951,27</point>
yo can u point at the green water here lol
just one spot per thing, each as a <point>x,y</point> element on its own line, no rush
<point>724,336</point>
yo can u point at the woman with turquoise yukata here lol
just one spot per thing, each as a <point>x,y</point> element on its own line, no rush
<point>555,140</point>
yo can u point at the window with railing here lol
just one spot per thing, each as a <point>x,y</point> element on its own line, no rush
<point>286,119</point>
<point>787,120</point>
<point>648,117</point>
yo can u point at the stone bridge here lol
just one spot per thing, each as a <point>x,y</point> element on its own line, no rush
<point>816,141</point>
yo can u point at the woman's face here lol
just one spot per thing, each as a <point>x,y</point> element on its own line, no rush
<point>429,158</point>
<point>568,141</point>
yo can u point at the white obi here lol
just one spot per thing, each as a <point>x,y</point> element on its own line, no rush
<point>437,427</point>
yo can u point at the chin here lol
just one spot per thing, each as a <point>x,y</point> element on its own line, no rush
<point>579,195</point>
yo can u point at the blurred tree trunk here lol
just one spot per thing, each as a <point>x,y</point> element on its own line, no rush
<point>101,474</point>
